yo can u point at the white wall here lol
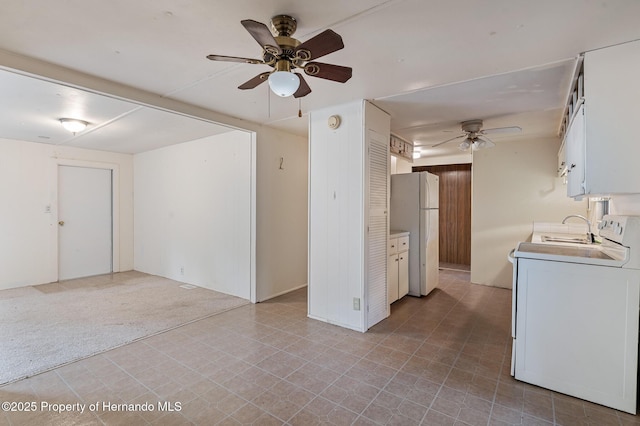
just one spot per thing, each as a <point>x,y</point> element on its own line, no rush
<point>513,185</point>
<point>336,216</point>
<point>193,220</point>
<point>193,211</point>
<point>348,230</point>
<point>28,185</point>
<point>625,205</point>
<point>281,264</point>
<point>282,231</point>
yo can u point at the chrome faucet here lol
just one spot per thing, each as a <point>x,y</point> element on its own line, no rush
<point>590,237</point>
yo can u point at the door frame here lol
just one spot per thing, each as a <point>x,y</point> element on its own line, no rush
<point>469,217</point>
<point>115,208</point>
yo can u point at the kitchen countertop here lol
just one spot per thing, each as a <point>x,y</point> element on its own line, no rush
<point>575,253</point>
<point>394,233</point>
<point>558,235</point>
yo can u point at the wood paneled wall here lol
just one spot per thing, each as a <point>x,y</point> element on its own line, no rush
<point>455,211</point>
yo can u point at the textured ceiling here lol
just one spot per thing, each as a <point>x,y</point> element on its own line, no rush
<point>430,64</point>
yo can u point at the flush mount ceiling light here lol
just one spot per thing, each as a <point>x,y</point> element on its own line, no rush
<point>73,125</point>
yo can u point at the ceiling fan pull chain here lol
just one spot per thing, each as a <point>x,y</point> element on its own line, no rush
<point>268,102</point>
<point>299,107</point>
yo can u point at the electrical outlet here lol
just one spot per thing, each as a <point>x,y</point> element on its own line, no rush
<point>182,270</point>
<point>356,303</point>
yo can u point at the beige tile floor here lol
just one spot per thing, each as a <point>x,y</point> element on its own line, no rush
<point>439,360</point>
<point>455,266</point>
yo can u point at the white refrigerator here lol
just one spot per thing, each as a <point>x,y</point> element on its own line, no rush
<point>414,208</point>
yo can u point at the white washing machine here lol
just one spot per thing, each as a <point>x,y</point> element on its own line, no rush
<point>576,314</point>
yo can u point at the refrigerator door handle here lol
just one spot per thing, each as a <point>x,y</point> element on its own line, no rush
<point>426,228</point>
<point>427,195</point>
<point>427,201</point>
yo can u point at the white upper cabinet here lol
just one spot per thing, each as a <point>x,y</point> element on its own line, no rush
<point>575,154</point>
<point>601,148</point>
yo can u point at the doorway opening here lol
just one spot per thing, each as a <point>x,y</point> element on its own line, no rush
<point>455,214</point>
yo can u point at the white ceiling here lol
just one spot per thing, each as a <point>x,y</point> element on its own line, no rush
<point>429,63</point>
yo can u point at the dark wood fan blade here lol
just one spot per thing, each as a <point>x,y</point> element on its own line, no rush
<point>234,59</point>
<point>324,43</point>
<point>304,88</point>
<point>255,81</point>
<point>328,71</point>
<point>260,32</point>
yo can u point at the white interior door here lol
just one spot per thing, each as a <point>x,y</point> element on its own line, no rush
<point>85,227</point>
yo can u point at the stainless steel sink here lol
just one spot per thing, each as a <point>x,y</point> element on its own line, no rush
<point>568,251</point>
<point>572,240</point>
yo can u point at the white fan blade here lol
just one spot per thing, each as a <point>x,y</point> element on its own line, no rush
<point>449,140</point>
<point>513,129</point>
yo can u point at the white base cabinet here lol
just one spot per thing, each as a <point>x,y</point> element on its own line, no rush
<point>392,278</point>
<point>398,267</point>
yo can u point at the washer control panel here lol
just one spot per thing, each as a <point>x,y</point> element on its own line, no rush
<point>623,230</point>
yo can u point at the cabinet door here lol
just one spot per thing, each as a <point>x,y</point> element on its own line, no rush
<point>403,274</point>
<point>403,243</point>
<point>392,278</point>
<point>562,161</point>
<point>393,246</point>
<point>611,88</point>
<point>575,145</point>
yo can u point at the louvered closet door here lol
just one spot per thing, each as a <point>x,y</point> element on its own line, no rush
<point>377,180</point>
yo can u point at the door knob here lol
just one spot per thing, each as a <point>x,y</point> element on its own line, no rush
<point>61,223</point>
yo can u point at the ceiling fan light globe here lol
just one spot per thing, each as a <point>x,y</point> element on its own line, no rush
<point>479,144</point>
<point>284,83</point>
<point>464,145</point>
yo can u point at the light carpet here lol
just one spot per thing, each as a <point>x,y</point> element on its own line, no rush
<point>46,326</point>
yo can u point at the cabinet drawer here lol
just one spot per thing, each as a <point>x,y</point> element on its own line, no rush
<point>393,246</point>
<point>403,244</point>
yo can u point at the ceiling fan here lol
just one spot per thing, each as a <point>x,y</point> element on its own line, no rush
<point>475,137</point>
<point>284,54</point>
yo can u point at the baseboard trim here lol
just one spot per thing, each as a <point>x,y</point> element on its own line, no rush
<point>282,293</point>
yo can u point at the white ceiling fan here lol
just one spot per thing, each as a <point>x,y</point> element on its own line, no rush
<point>475,137</point>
